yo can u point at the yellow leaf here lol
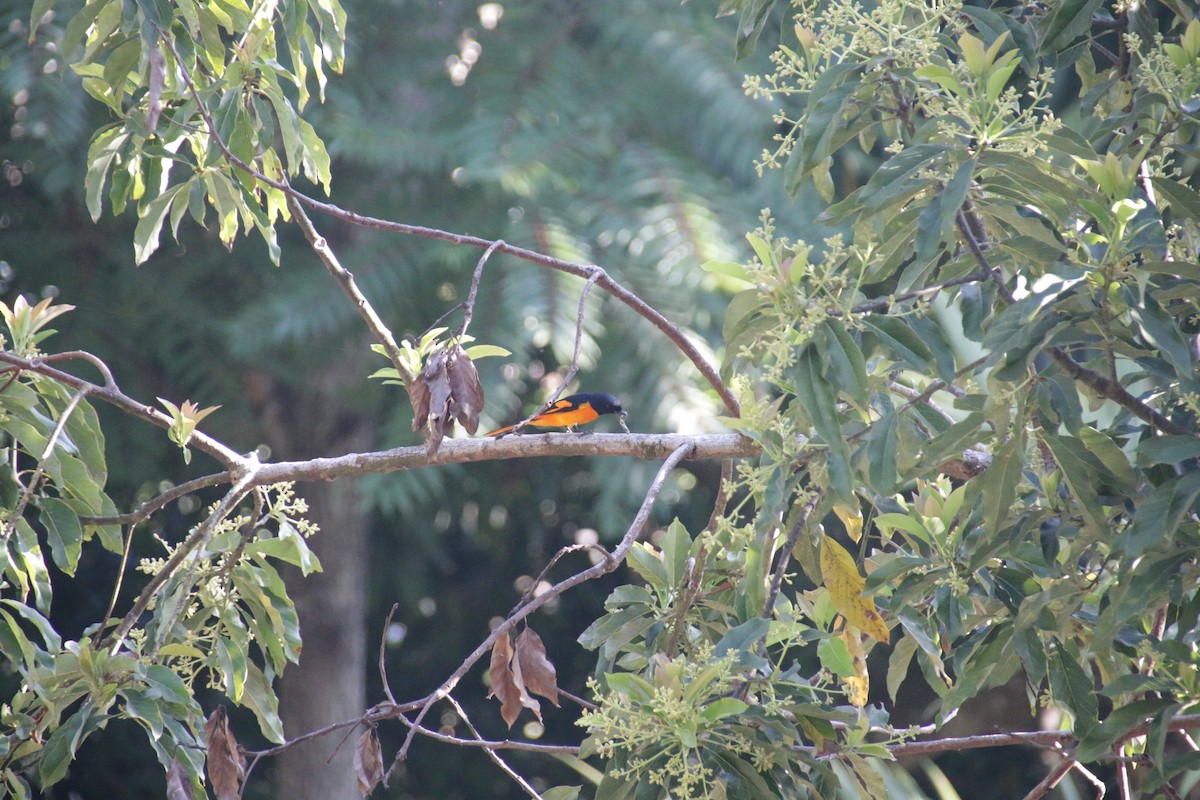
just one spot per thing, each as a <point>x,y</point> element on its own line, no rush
<point>845,585</point>
<point>851,517</point>
<point>859,685</point>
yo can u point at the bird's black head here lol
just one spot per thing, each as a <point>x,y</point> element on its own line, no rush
<point>602,403</point>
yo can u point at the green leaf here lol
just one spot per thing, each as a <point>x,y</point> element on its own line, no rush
<point>26,557</point>
<point>141,707</point>
<point>1070,19</point>
<point>755,14</point>
<point>50,636</point>
<point>825,117</point>
<point>676,546</point>
<point>898,662</point>
<point>819,403</point>
<point>234,665</point>
<point>895,567</point>
<point>1072,688</point>
<point>64,533</point>
<point>1079,468</point>
<point>835,657</point>
<point>64,741</point>
<point>742,638</point>
<point>145,235</point>
<point>1110,455</point>
<point>846,365</point>
<point>998,484</point>
<point>166,685</point>
<point>561,793</point>
<point>1118,724</point>
<point>630,685</point>
<point>1182,199</point>
<point>899,340</point>
<point>476,352</point>
<point>937,218</point>
<point>968,432</point>
<point>617,628</point>
<point>260,697</point>
<point>103,153</point>
<point>723,707</point>
<point>1159,515</point>
<point>1160,331</point>
<point>1168,449</point>
<point>882,439</point>
<point>648,563</point>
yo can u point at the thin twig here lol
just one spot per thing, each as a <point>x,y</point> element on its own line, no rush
<point>722,497</point>
<point>116,592</point>
<point>147,508</point>
<point>495,744</point>
<point>469,305</point>
<point>571,548</point>
<point>197,538</point>
<point>491,752</point>
<point>785,554</point>
<point>83,355</point>
<point>383,637</point>
<point>574,366</point>
<point>39,473</point>
<point>345,279</point>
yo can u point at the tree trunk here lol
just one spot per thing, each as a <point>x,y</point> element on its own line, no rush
<point>329,683</point>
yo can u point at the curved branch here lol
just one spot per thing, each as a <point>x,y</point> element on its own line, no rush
<point>585,271</point>
<point>143,512</point>
<point>234,462</point>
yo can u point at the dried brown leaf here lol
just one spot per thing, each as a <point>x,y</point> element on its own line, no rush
<point>418,395</point>
<point>179,785</point>
<point>537,672</point>
<point>225,766</point>
<point>441,400</point>
<point>368,762</point>
<point>466,389</point>
<point>503,681</point>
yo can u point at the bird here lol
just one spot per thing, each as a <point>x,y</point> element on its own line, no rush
<point>576,409</point>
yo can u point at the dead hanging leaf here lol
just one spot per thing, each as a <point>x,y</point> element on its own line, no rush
<point>465,388</point>
<point>368,762</point>
<point>225,765</point>
<point>537,673</point>
<point>179,785</point>
<point>840,575</point>
<point>503,683</point>
<point>418,395</point>
<point>447,389</point>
